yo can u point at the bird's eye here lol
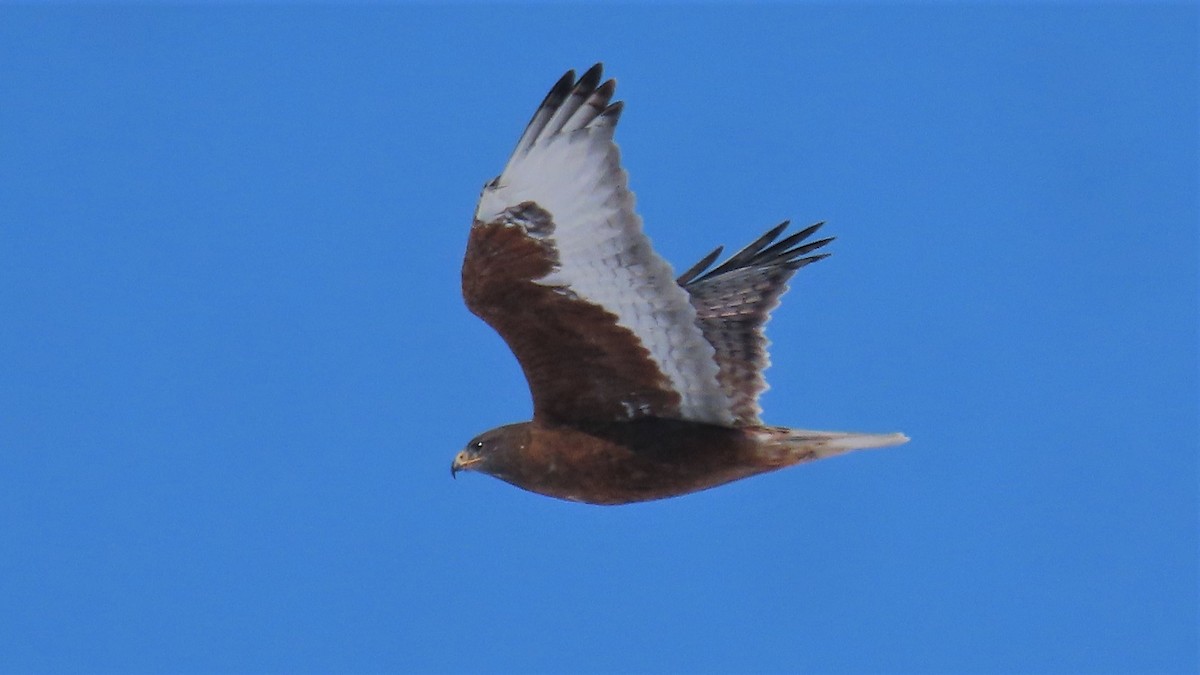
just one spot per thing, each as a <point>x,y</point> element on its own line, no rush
<point>478,445</point>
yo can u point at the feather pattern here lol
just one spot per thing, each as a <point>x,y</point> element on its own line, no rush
<point>733,302</point>
<point>567,166</point>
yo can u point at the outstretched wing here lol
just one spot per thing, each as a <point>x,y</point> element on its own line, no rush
<point>733,302</point>
<point>557,263</point>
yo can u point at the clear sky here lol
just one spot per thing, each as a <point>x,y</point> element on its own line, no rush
<point>235,364</point>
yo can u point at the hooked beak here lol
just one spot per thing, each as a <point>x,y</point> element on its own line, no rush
<point>463,461</point>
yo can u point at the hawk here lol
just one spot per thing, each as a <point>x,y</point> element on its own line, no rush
<point>644,385</point>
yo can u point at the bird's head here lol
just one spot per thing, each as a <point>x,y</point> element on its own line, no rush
<point>492,452</point>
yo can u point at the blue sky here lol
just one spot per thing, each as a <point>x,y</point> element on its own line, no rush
<point>235,365</point>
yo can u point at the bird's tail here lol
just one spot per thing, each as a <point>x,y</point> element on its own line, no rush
<point>784,446</point>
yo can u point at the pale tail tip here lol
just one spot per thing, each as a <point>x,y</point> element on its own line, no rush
<point>866,441</point>
<point>834,442</point>
<point>819,444</point>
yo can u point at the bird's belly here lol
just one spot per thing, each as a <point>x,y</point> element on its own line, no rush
<point>633,462</point>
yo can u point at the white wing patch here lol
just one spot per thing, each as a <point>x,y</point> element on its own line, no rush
<point>568,164</point>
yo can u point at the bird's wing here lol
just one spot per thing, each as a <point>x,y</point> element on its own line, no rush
<point>557,263</point>
<point>733,302</point>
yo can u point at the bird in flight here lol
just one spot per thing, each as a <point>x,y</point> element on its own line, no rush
<point>644,385</point>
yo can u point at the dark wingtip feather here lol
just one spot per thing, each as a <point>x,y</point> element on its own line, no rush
<point>751,252</point>
<point>593,74</point>
<point>590,79</point>
<point>762,252</point>
<point>801,250</point>
<point>613,112</point>
<point>699,267</point>
<point>808,231</point>
<point>791,240</point>
<point>797,264</point>
<point>559,91</point>
<point>553,100</point>
<point>607,89</point>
